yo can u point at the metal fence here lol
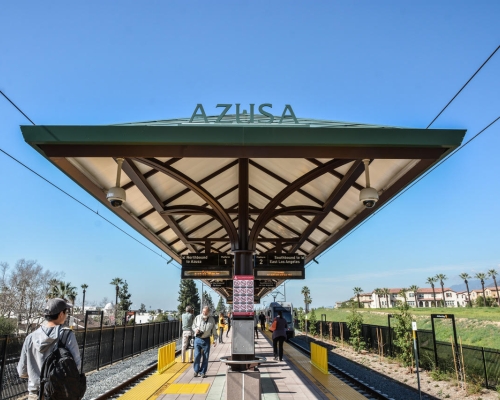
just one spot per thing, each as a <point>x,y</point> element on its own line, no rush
<point>98,347</point>
<point>481,364</point>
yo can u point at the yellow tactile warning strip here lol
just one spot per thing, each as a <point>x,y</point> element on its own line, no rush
<point>149,387</point>
<point>329,385</point>
<point>187,388</point>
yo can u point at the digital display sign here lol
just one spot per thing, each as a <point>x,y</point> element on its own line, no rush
<point>279,260</point>
<point>280,273</point>
<point>207,266</point>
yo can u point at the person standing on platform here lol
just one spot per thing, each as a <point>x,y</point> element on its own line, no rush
<point>229,318</point>
<point>187,333</point>
<point>279,336</point>
<point>204,327</point>
<point>255,325</point>
<point>221,326</point>
<point>40,344</point>
<point>262,319</point>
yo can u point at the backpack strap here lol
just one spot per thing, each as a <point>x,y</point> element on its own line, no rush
<point>63,337</point>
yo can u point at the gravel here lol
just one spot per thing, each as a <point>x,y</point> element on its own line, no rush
<point>387,386</point>
<point>99,382</point>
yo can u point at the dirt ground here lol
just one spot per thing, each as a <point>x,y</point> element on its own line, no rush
<point>391,368</point>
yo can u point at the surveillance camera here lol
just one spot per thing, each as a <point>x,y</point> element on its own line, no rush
<point>116,196</point>
<point>369,196</point>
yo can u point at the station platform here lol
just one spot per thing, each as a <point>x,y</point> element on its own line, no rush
<point>292,378</point>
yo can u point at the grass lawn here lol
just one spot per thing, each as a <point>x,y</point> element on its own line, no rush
<point>476,326</point>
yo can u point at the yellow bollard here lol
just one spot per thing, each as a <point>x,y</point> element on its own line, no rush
<point>166,357</point>
<point>319,357</point>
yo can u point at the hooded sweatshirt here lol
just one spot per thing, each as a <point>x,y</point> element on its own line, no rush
<point>37,347</point>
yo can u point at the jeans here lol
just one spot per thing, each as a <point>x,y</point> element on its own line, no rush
<point>221,331</point>
<point>279,340</point>
<point>228,329</point>
<point>201,349</point>
<point>263,325</point>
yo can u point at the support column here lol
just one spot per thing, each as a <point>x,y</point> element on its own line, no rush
<point>243,265</point>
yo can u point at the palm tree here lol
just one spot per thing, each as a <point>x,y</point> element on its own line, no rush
<point>493,274</point>
<point>482,276</point>
<point>378,292</point>
<point>116,282</point>
<point>465,276</point>
<point>63,290</point>
<point>442,278</point>
<point>431,281</point>
<point>307,299</point>
<point>402,293</point>
<point>357,292</point>
<point>84,287</point>
<point>385,293</point>
<point>414,290</point>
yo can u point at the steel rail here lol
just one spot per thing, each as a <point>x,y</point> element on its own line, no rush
<point>352,379</point>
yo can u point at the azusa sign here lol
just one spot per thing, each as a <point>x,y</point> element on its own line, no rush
<point>288,114</point>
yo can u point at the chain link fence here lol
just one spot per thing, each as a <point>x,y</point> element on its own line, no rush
<point>481,364</point>
<point>99,347</point>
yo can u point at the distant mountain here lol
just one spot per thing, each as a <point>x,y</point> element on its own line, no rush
<point>473,284</point>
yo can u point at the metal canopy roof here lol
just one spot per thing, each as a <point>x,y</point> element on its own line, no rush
<point>184,187</point>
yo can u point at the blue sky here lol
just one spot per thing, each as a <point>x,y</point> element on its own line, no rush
<point>383,62</point>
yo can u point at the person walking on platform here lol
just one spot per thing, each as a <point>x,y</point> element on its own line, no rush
<point>279,336</point>
<point>229,320</point>
<point>262,319</point>
<point>221,326</point>
<point>204,327</point>
<point>187,333</point>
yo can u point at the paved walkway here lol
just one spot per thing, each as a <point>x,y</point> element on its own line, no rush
<point>292,378</point>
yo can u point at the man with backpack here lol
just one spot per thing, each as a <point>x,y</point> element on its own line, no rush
<point>50,351</point>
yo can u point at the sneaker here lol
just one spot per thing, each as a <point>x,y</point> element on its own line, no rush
<point>196,374</point>
<point>203,375</point>
<point>275,358</point>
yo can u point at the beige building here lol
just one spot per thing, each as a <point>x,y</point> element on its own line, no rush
<point>425,298</point>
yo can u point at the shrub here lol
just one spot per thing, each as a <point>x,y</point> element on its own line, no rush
<point>354,323</point>
<point>403,332</point>
<point>312,322</point>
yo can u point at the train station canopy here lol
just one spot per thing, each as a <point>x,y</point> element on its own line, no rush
<point>183,186</point>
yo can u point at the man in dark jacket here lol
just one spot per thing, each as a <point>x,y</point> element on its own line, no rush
<point>39,344</point>
<point>262,319</point>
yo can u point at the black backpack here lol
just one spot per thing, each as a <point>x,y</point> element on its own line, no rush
<point>60,378</point>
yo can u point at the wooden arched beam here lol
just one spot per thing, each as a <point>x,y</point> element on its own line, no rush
<point>223,217</point>
<point>268,211</point>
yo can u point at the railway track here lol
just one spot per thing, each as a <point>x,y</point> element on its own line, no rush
<point>349,379</point>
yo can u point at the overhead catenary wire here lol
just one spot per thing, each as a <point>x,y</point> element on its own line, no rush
<point>433,168</point>
<point>463,87</point>
<point>69,195</point>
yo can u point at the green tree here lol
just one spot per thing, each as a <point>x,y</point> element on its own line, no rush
<point>357,291</point>
<point>492,273</point>
<point>312,322</point>
<point>63,290</point>
<point>84,289</point>
<point>355,324</point>
<point>402,293</point>
<point>465,276</point>
<point>403,333</point>
<point>124,297</point>
<point>378,292</point>
<point>7,326</point>
<point>441,278</point>
<point>207,301</point>
<point>386,293</point>
<point>414,289</point>
<point>482,276</point>
<point>188,296</point>
<point>307,298</point>
<point>142,309</point>
<point>489,302</point>
<point>221,308</point>
<point>301,318</point>
<point>431,281</point>
<point>116,282</point>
